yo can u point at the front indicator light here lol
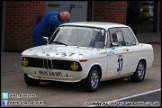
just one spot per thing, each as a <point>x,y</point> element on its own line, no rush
<point>74,66</point>
<point>84,60</point>
<point>25,61</point>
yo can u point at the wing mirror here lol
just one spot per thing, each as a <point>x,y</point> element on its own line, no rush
<point>45,39</point>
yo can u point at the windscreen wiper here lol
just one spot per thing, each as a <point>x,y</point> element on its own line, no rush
<point>60,43</point>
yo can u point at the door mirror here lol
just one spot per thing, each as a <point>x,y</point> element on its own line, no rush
<point>45,39</point>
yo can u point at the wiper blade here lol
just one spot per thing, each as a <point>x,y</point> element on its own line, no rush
<point>60,43</point>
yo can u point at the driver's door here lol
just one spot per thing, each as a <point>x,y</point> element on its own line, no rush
<point>115,52</point>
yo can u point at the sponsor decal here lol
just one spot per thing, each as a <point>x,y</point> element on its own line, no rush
<point>34,54</point>
<point>111,52</point>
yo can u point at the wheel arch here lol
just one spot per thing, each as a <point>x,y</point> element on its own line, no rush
<point>99,67</point>
<point>144,61</point>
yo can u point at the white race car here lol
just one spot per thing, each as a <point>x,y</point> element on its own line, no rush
<point>88,52</point>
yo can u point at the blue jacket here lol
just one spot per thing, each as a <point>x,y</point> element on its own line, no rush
<point>48,24</point>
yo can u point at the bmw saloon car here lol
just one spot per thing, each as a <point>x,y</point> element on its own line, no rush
<point>88,52</point>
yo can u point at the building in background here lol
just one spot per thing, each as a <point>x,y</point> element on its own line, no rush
<point>20,17</point>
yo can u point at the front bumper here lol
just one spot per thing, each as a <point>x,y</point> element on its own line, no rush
<point>66,76</point>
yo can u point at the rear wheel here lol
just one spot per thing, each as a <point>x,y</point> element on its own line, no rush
<point>92,81</point>
<point>31,82</point>
<point>139,74</point>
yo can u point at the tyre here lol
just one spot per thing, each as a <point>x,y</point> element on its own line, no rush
<point>92,81</point>
<point>139,74</point>
<point>31,82</point>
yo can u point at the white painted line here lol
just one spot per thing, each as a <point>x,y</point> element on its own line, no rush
<point>140,94</point>
<point>120,99</point>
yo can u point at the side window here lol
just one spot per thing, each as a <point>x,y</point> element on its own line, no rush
<point>128,37</point>
<point>113,36</point>
<point>120,38</point>
<point>116,36</point>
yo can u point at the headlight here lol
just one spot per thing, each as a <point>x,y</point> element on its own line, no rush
<point>74,66</point>
<point>24,61</point>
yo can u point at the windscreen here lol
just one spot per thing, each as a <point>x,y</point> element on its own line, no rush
<point>79,36</point>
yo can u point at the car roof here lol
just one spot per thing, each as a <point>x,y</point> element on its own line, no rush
<point>105,25</point>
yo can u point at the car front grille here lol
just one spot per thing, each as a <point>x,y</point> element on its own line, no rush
<point>35,62</point>
<point>49,63</point>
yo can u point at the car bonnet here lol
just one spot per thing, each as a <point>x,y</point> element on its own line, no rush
<point>61,52</point>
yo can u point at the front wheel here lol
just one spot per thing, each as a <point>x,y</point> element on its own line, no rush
<point>31,82</point>
<point>139,74</point>
<point>92,81</point>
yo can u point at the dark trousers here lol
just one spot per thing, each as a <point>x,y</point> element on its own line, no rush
<point>37,38</point>
<point>132,21</point>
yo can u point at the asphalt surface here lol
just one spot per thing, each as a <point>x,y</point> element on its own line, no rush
<point>152,98</point>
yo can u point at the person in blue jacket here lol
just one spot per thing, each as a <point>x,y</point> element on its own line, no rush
<point>47,26</point>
